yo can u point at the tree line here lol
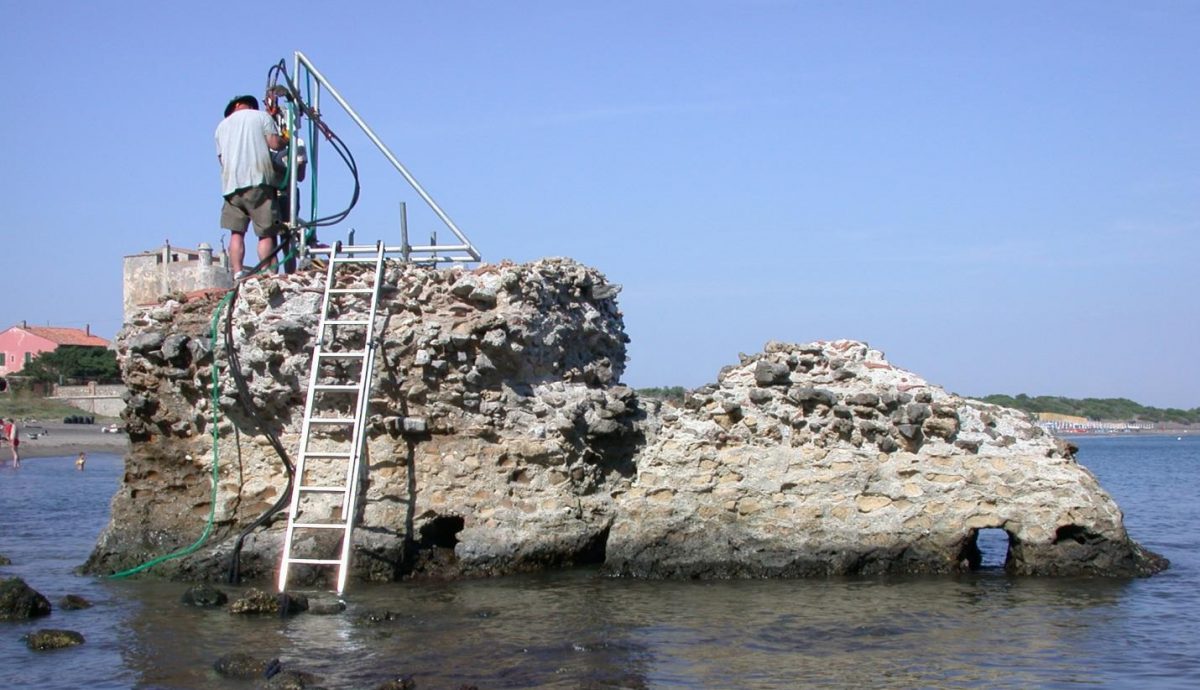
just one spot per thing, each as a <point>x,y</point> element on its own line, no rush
<point>1095,409</point>
<point>73,364</point>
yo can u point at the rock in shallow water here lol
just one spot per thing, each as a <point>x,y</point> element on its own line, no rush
<point>241,665</point>
<point>52,639</point>
<point>256,601</point>
<point>291,680</point>
<point>204,596</point>
<point>73,602</point>
<point>19,601</point>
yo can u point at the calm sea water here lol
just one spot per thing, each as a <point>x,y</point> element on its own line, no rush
<point>582,630</point>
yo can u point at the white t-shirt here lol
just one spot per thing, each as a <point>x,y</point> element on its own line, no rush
<point>242,146</point>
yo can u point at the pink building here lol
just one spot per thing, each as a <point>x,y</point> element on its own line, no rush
<point>21,343</point>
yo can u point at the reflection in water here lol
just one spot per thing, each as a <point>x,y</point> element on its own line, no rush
<point>581,629</point>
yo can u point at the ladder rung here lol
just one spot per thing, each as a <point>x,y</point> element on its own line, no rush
<point>351,291</point>
<point>341,354</point>
<point>336,387</point>
<point>324,489</point>
<point>326,454</point>
<point>331,420</point>
<point>318,525</point>
<point>315,561</point>
<point>352,260</point>
<point>348,322</point>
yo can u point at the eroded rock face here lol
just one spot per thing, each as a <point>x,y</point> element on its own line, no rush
<point>823,459</point>
<point>501,440</point>
<point>498,428</point>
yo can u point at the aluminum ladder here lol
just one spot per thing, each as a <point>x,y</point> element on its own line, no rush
<point>326,481</point>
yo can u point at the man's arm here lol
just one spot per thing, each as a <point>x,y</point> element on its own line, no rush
<point>274,141</point>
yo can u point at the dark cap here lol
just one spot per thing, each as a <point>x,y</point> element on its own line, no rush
<point>241,100</point>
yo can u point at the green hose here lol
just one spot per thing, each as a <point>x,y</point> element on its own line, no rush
<point>208,527</point>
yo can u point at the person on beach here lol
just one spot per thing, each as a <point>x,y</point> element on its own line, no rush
<point>79,461</point>
<point>13,434</point>
<point>244,142</point>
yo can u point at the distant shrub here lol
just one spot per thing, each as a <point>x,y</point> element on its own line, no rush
<point>673,393</point>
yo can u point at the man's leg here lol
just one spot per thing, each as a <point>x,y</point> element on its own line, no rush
<point>236,221</point>
<point>237,251</point>
<point>266,247</point>
<point>264,212</point>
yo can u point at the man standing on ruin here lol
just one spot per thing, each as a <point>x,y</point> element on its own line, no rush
<point>244,142</point>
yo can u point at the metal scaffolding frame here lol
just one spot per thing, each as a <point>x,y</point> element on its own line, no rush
<point>463,252</point>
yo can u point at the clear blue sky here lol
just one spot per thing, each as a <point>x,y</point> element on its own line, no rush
<point>1003,197</point>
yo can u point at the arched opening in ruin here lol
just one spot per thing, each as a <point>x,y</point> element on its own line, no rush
<point>993,548</point>
<point>431,552</point>
<point>1074,533</point>
<point>441,532</point>
<point>595,550</point>
<point>989,548</point>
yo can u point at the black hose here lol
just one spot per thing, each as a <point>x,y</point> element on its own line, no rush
<point>235,371</point>
<point>338,145</point>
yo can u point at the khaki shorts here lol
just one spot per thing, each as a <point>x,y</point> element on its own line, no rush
<point>251,204</point>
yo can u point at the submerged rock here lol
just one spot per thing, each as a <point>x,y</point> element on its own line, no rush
<point>256,601</point>
<point>241,665</point>
<point>291,680</point>
<point>73,602</point>
<point>19,601</point>
<point>52,639</point>
<point>325,606</point>
<point>501,440</point>
<point>372,617</point>
<point>204,596</point>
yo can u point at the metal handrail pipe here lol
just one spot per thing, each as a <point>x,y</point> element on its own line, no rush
<point>355,249</point>
<point>441,259</point>
<point>440,248</point>
<point>396,249</point>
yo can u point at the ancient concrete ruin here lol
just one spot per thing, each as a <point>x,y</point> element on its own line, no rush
<point>502,440</point>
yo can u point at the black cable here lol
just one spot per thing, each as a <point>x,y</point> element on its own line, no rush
<point>339,146</point>
<point>235,370</point>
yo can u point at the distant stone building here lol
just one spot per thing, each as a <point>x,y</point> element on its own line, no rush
<point>20,344</point>
<point>151,276</point>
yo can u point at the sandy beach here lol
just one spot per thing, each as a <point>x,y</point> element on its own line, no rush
<point>65,440</point>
